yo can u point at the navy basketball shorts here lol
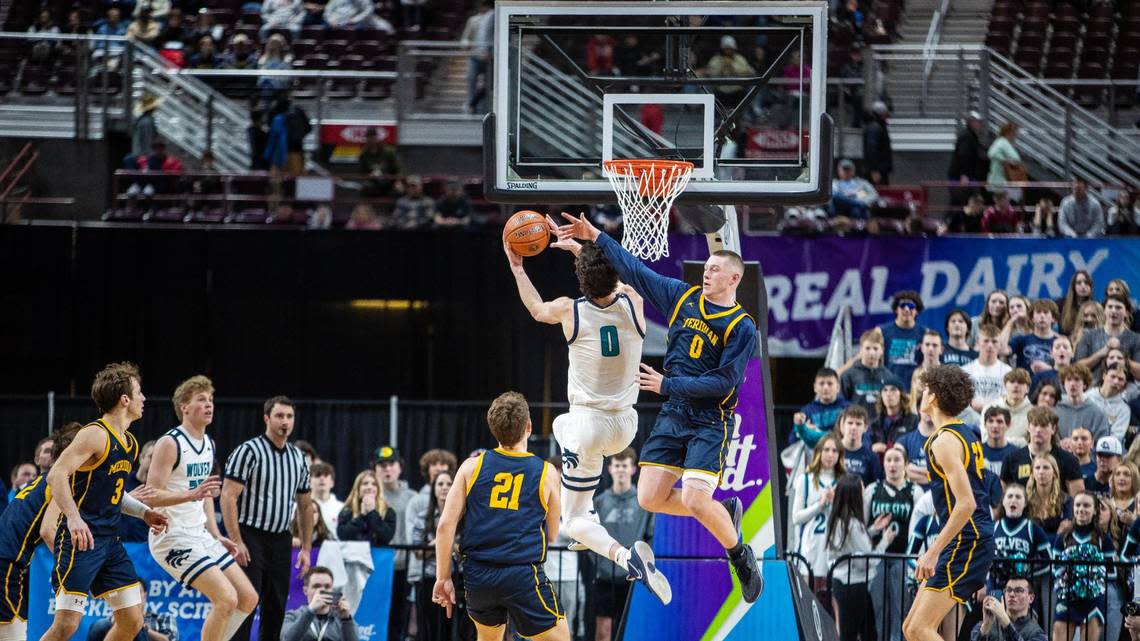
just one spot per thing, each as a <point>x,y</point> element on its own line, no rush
<point>98,571</point>
<point>962,567</point>
<point>1080,611</point>
<point>14,605</point>
<point>522,592</point>
<point>688,439</point>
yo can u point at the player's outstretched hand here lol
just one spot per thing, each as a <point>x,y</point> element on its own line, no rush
<point>80,534</point>
<point>513,258</point>
<point>443,594</point>
<point>144,493</point>
<point>579,227</point>
<point>565,242</point>
<point>924,566</point>
<point>156,520</point>
<point>208,488</point>
<point>649,379</point>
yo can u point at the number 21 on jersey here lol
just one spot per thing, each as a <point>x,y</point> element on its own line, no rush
<point>505,494</point>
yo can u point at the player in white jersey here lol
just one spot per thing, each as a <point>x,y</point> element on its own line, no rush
<point>604,332</point>
<point>192,550</point>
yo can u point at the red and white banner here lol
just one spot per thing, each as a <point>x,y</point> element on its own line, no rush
<point>771,143</point>
<point>347,136</point>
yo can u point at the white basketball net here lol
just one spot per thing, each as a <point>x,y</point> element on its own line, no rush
<point>646,190</point>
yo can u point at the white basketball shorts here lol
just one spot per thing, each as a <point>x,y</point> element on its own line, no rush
<point>586,437</point>
<point>186,554</point>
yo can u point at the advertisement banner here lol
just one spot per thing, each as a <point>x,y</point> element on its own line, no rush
<point>809,280</point>
<point>188,607</point>
<point>711,606</point>
<point>347,136</point>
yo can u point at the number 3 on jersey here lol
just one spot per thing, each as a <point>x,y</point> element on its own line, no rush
<point>505,483</point>
<point>118,495</point>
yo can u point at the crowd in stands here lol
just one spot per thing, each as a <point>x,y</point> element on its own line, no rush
<point>1056,404</point>
<point>382,509</point>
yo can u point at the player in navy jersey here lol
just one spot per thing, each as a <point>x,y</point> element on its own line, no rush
<point>955,564</point>
<point>710,341</point>
<point>86,482</point>
<point>505,505</point>
<point>20,528</point>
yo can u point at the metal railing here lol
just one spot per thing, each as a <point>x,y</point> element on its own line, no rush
<point>891,588</point>
<point>1053,122</point>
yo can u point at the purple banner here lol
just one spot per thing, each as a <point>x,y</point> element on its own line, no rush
<point>810,280</point>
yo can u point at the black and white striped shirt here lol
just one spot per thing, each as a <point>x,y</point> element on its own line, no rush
<point>272,478</point>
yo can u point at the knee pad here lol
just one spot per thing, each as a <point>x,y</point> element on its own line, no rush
<point>699,481</point>
<point>71,601</point>
<point>17,630</point>
<point>127,597</point>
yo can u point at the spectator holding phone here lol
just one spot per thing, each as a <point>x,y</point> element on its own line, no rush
<point>325,617</point>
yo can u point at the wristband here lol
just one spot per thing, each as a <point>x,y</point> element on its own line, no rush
<point>132,506</point>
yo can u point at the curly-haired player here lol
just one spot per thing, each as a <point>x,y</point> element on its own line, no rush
<point>956,563</point>
<point>604,331</point>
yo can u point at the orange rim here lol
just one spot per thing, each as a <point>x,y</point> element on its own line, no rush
<point>671,171</point>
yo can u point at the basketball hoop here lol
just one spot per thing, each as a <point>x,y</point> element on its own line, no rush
<point>646,190</point>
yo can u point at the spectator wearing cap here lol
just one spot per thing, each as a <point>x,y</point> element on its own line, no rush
<point>323,480</point>
<point>388,468</point>
<point>728,63</point>
<point>851,196</point>
<point>969,163</point>
<point>241,54</point>
<point>144,131</point>
<point>413,209</point>
<point>1109,453</point>
<point>902,336</point>
<point>878,158</point>
<point>454,209</point>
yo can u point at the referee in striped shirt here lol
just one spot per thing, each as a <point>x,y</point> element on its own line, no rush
<point>266,479</point>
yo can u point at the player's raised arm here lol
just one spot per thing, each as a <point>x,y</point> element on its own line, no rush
<point>162,464</point>
<point>948,453</point>
<point>660,291</point>
<point>557,311</point>
<point>443,594</point>
<point>88,447</point>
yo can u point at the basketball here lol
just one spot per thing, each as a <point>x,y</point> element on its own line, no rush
<point>527,233</point>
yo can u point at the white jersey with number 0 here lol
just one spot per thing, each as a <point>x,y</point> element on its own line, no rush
<point>605,351</point>
<point>194,463</point>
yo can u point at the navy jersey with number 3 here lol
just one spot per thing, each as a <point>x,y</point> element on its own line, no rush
<point>980,524</point>
<point>98,487</point>
<point>505,520</point>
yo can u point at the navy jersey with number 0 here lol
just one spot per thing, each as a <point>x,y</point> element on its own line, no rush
<point>980,525</point>
<point>505,520</point>
<point>98,487</point>
<point>20,523</point>
<point>699,335</point>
